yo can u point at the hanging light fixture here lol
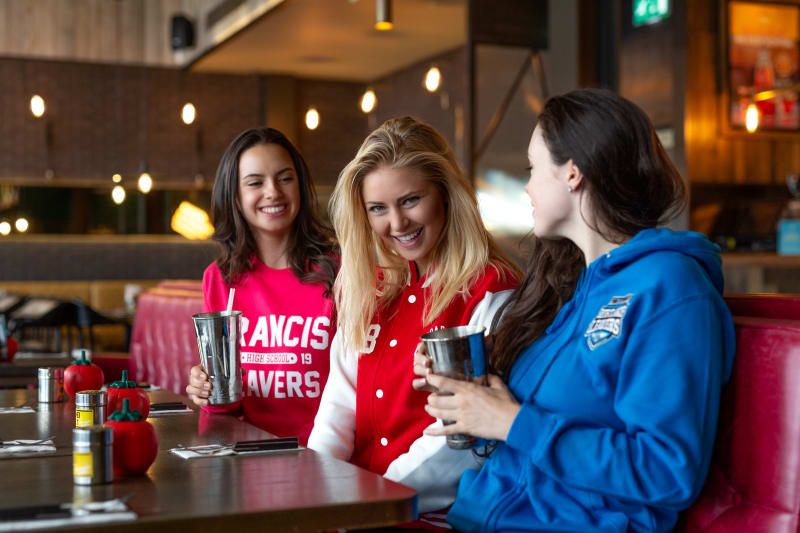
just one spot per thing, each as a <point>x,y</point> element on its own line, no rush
<point>37,106</point>
<point>383,15</point>
<point>188,113</point>
<point>433,79</point>
<point>191,221</point>
<point>751,118</point>
<point>21,224</point>
<point>368,101</point>
<point>118,194</point>
<point>312,118</point>
<point>145,181</point>
<point>5,228</point>
<point>116,178</point>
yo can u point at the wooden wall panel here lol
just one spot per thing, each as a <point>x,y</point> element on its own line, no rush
<point>118,31</point>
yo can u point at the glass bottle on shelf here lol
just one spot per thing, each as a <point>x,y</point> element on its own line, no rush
<point>789,223</point>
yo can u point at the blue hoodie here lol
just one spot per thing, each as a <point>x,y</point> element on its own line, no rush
<point>619,398</point>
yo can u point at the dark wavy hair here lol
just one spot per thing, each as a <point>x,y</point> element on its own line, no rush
<point>312,249</point>
<point>632,185</point>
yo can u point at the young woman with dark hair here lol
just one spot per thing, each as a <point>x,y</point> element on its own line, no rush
<point>282,261</point>
<point>610,356</point>
<point>416,257</point>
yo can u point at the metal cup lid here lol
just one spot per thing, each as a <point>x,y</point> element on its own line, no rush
<point>93,435</point>
<point>51,372</point>
<point>90,397</point>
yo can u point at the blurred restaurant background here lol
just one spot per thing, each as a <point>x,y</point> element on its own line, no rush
<point>114,114</point>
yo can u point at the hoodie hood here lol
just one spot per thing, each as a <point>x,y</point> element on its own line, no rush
<point>690,243</point>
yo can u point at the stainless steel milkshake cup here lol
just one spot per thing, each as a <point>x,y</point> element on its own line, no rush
<point>218,344</point>
<point>457,353</point>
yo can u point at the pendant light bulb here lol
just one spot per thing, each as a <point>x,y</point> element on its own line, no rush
<point>37,106</point>
<point>118,194</point>
<point>22,225</point>
<point>188,113</point>
<point>383,15</point>
<point>145,182</point>
<point>751,118</point>
<point>433,79</point>
<point>312,119</point>
<point>368,101</point>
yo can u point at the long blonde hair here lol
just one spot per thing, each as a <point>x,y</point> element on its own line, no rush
<point>463,251</point>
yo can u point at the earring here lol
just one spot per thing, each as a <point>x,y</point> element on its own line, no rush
<point>569,188</point>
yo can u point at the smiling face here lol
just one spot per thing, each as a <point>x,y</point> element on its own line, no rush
<point>547,188</point>
<point>269,191</point>
<point>406,211</point>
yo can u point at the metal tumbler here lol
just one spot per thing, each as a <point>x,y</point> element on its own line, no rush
<point>457,353</point>
<point>218,344</point>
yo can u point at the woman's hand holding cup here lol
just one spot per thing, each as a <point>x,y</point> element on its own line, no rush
<point>199,386</point>
<point>422,367</point>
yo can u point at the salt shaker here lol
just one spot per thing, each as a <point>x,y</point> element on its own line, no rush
<point>92,461</point>
<point>51,384</point>
<point>90,408</point>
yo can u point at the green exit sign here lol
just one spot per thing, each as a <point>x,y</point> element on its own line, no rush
<point>649,11</point>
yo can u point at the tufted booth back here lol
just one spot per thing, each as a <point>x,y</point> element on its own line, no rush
<point>163,344</point>
<point>754,481</point>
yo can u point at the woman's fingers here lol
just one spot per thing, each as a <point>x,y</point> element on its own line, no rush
<point>444,384</point>
<point>199,387</point>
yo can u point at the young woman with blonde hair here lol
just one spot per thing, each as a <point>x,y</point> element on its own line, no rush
<point>415,258</point>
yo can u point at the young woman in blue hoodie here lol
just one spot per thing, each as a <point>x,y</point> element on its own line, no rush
<point>609,358</point>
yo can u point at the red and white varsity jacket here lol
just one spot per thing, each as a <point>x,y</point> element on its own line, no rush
<point>369,413</point>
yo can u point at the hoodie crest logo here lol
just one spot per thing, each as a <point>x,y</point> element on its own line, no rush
<point>608,322</point>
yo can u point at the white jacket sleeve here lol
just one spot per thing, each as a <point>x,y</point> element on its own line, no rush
<point>335,424</point>
<point>429,466</point>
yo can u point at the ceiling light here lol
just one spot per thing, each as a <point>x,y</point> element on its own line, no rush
<point>432,79</point>
<point>188,113</point>
<point>37,105</point>
<point>383,15</point>
<point>118,194</point>
<point>312,119</point>
<point>145,182</point>
<point>191,222</point>
<point>751,118</point>
<point>368,101</point>
<point>116,178</point>
<point>21,224</point>
<point>5,228</point>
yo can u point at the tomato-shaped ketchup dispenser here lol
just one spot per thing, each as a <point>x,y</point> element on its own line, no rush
<point>124,388</point>
<point>135,441</point>
<point>82,374</point>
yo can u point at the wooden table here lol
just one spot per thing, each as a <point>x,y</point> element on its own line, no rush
<point>58,420</point>
<point>290,491</point>
<point>23,372</point>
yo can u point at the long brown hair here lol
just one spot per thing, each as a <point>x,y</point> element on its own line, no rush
<point>632,185</point>
<point>312,249</point>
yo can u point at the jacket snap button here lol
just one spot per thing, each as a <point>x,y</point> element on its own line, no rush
<point>412,299</point>
<point>384,441</point>
<point>379,393</point>
<point>393,343</point>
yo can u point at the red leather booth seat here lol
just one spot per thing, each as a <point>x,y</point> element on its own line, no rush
<point>163,343</point>
<point>753,484</point>
<point>765,305</point>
